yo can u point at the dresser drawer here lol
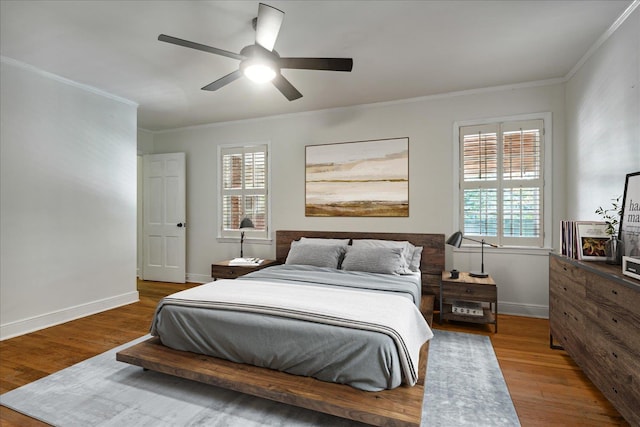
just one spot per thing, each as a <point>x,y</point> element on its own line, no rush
<point>616,373</point>
<point>567,324</point>
<point>616,297</point>
<point>616,356</point>
<point>567,279</point>
<point>616,325</point>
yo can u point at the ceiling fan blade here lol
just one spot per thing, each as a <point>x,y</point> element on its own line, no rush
<point>268,25</point>
<point>286,88</point>
<point>329,64</point>
<point>198,46</point>
<point>223,80</point>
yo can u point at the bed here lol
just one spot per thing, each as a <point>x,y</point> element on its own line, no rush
<point>394,400</point>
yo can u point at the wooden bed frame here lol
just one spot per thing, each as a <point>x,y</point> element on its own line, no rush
<point>401,406</point>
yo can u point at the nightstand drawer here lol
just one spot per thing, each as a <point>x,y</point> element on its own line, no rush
<point>469,291</point>
<point>226,272</point>
<point>222,269</point>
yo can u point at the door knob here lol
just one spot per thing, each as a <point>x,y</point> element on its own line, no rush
<point>179,224</point>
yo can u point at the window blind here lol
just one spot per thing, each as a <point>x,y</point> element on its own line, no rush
<point>501,180</point>
<point>244,190</point>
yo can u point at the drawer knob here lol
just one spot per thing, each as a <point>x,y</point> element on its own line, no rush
<point>614,354</point>
<point>614,320</point>
<point>613,291</point>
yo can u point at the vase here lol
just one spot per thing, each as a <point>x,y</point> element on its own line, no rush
<point>614,249</point>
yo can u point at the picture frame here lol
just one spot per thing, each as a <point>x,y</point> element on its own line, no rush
<point>629,231</point>
<point>358,179</point>
<point>591,240</point>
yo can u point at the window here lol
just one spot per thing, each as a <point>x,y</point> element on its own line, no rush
<point>502,182</point>
<point>244,190</point>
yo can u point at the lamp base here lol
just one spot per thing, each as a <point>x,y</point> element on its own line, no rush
<point>478,274</point>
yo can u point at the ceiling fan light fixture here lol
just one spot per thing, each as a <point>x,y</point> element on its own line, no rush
<point>259,62</point>
<point>259,72</point>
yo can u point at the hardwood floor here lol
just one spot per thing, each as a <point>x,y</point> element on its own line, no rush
<point>547,388</point>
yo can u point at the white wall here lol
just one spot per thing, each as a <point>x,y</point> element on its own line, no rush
<point>428,122</point>
<point>68,200</point>
<point>603,122</point>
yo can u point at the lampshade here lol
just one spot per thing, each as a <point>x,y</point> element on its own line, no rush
<point>455,239</point>
<point>246,223</point>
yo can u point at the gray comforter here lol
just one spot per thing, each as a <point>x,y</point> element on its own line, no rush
<point>328,331</point>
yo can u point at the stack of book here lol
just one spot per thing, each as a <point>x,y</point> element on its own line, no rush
<point>467,308</point>
<point>568,239</point>
<point>245,261</point>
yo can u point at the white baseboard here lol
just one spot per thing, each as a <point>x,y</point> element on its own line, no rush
<point>519,309</point>
<point>21,327</point>
<point>198,278</point>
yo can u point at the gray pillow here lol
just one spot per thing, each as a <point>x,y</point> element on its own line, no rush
<point>375,260</point>
<point>323,241</point>
<point>319,255</point>
<point>407,248</point>
<point>414,265</point>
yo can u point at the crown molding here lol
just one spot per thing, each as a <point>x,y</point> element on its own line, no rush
<point>47,74</point>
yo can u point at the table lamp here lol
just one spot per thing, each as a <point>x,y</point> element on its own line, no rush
<point>245,223</point>
<point>456,240</point>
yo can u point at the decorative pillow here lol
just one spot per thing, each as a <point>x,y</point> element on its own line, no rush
<point>407,248</point>
<point>319,255</point>
<point>375,260</point>
<point>321,241</point>
<point>414,265</point>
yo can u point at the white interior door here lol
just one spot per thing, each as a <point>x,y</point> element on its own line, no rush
<point>164,213</point>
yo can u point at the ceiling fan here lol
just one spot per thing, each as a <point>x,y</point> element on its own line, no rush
<point>259,62</point>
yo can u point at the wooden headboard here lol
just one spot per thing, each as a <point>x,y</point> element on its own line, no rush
<point>431,264</point>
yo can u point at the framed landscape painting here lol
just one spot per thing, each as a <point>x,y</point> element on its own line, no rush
<point>358,179</point>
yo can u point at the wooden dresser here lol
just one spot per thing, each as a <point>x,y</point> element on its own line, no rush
<point>594,314</point>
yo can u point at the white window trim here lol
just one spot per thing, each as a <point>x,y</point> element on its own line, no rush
<point>547,117</point>
<point>248,238</point>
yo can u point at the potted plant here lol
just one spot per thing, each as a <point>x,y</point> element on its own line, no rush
<point>611,217</point>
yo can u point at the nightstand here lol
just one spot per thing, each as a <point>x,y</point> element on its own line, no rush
<point>468,288</point>
<point>222,269</point>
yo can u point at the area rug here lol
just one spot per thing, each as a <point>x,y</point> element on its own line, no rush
<point>464,387</point>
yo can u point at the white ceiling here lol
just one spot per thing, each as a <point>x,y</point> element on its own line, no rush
<point>400,49</point>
